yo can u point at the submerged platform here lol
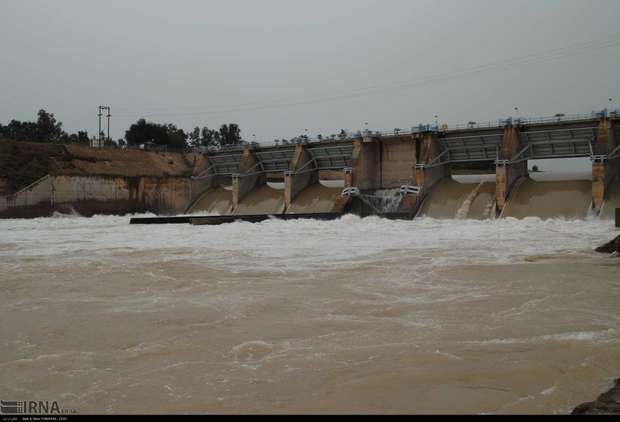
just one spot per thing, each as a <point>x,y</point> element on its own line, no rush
<point>226,219</point>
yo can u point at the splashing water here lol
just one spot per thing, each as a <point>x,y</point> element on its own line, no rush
<point>384,201</point>
<point>463,210</point>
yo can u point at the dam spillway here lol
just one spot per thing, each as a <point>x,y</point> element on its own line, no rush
<point>410,173</point>
<point>416,172</point>
<point>451,199</point>
<point>262,200</point>
<point>315,199</point>
<point>570,199</point>
<point>214,201</point>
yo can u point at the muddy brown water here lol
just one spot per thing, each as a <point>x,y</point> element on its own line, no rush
<point>353,315</point>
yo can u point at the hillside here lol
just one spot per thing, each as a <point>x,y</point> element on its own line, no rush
<point>22,163</point>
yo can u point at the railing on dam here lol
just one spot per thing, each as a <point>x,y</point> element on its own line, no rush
<point>275,160</point>
<point>225,164</point>
<point>557,136</point>
<point>331,157</point>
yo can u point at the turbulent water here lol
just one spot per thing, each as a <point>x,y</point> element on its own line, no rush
<point>367,315</point>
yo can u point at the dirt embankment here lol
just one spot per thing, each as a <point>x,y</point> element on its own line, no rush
<point>22,163</point>
<point>606,404</point>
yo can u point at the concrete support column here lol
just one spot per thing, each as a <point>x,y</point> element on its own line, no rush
<point>348,177</point>
<point>429,172</point>
<point>247,179</point>
<point>295,182</point>
<point>605,141</point>
<point>506,173</point>
<point>604,170</point>
<point>603,173</point>
<point>202,177</point>
<point>409,205</point>
<point>428,176</point>
<point>366,165</point>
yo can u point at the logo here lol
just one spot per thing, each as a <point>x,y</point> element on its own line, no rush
<point>12,407</point>
<point>31,407</point>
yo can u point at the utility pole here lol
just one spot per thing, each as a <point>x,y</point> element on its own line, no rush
<point>99,131</point>
<point>100,115</point>
<point>108,116</point>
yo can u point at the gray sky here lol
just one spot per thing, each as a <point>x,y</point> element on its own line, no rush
<point>165,58</point>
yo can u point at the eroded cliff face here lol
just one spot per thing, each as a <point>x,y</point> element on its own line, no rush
<point>39,179</point>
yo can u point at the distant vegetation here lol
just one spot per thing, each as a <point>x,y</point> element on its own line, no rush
<point>48,129</point>
<point>45,129</point>
<point>143,132</point>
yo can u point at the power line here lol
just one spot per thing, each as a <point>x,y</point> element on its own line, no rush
<point>508,64</point>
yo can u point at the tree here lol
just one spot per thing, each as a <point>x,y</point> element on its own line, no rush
<point>230,134</point>
<point>82,137</point>
<point>45,129</point>
<point>48,129</point>
<point>194,137</point>
<point>210,138</point>
<point>167,135</point>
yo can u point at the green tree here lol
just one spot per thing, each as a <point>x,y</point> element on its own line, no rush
<point>230,134</point>
<point>167,135</point>
<point>194,137</point>
<point>48,128</point>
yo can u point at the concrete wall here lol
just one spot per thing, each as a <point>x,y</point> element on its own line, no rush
<point>398,160</point>
<point>366,165</point>
<point>89,195</point>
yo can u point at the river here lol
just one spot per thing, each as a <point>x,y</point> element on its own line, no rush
<point>354,315</point>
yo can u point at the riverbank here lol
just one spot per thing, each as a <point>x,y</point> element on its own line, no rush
<point>607,403</point>
<point>39,179</point>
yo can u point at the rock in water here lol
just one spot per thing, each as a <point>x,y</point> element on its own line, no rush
<point>611,247</point>
<point>606,404</point>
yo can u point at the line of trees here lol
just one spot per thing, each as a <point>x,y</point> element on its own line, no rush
<point>45,129</point>
<point>143,132</point>
<point>48,129</point>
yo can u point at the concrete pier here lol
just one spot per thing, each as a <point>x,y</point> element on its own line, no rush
<point>301,174</point>
<point>508,173</point>
<point>247,179</point>
<point>605,168</point>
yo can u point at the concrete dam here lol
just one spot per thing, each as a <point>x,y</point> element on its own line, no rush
<point>471,172</point>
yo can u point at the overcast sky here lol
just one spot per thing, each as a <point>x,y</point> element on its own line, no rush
<point>278,67</point>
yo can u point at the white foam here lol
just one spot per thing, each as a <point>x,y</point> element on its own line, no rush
<point>304,244</point>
